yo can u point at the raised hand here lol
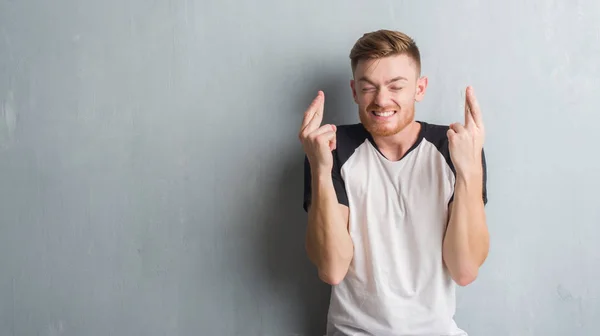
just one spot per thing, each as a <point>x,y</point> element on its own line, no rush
<point>466,141</point>
<point>318,141</point>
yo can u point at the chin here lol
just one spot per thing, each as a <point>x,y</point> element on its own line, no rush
<point>384,130</point>
<point>384,127</point>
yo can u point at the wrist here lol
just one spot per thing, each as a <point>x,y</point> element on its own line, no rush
<point>469,179</point>
<point>320,173</point>
<point>469,174</point>
<point>321,179</point>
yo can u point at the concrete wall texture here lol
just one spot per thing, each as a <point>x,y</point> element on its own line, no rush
<point>151,175</point>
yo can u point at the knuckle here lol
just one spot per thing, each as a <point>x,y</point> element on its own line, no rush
<point>323,138</point>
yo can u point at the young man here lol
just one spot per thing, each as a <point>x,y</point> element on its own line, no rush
<point>395,205</point>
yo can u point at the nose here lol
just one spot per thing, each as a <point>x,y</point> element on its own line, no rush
<point>383,98</point>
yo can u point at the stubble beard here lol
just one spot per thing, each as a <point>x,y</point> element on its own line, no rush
<point>401,120</point>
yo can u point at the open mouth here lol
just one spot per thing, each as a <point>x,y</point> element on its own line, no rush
<point>383,114</point>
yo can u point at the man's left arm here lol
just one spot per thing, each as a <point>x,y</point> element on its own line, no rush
<point>466,242</point>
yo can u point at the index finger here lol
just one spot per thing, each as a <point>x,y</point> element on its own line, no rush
<point>469,122</point>
<point>474,107</point>
<point>314,113</point>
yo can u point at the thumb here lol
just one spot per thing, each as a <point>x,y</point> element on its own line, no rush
<point>333,143</point>
<point>328,139</point>
<point>327,136</point>
<point>450,134</point>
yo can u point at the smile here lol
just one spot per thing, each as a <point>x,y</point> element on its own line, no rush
<point>383,114</point>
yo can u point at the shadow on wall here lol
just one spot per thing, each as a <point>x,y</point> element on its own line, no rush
<point>288,265</point>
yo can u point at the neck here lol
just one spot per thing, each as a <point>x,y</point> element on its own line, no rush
<point>394,147</point>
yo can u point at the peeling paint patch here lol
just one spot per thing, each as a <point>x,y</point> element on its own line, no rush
<point>563,293</point>
<point>8,120</point>
<point>56,329</point>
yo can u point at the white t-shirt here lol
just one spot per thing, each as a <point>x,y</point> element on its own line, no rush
<point>397,283</point>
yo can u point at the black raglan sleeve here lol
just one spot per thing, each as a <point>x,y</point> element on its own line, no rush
<point>484,192</point>
<point>437,135</point>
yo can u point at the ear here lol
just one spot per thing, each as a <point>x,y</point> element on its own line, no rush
<point>353,87</point>
<point>421,87</point>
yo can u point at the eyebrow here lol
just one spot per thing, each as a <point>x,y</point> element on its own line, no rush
<point>395,79</point>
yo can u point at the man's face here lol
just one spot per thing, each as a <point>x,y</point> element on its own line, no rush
<point>385,90</point>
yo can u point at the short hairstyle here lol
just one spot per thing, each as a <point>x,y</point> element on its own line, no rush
<point>384,43</point>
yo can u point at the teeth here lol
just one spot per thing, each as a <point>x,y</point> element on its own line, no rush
<point>383,113</point>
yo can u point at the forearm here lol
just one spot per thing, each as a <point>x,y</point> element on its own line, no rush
<point>328,242</point>
<point>466,242</point>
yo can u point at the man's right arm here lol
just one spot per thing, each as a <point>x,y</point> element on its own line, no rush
<point>328,242</point>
